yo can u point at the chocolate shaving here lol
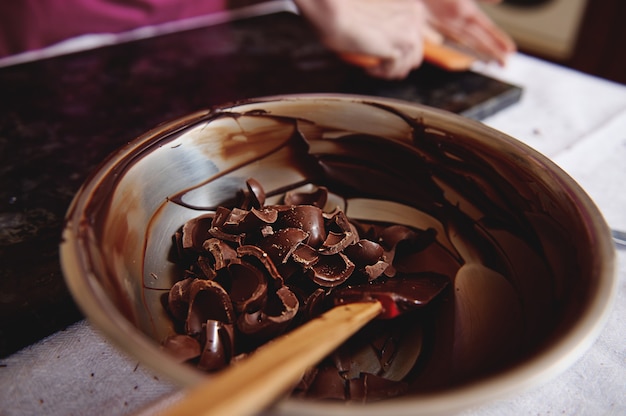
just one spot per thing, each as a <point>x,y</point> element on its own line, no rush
<point>208,301</point>
<point>249,222</point>
<point>248,287</point>
<point>305,255</point>
<point>263,259</point>
<point>314,305</point>
<point>256,193</point>
<point>340,223</point>
<point>317,198</point>
<point>218,342</point>
<point>365,252</point>
<point>374,271</point>
<point>332,270</point>
<point>307,218</point>
<point>178,298</point>
<point>280,245</point>
<point>233,220</point>
<point>222,235</point>
<point>273,319</point>
<point>206,267</point>
<point>220,224</point>
<point>195,231</point>
<point>222,253</point>
<point>337,242</point>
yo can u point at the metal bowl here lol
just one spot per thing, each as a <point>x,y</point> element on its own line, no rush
<point>540,257</point>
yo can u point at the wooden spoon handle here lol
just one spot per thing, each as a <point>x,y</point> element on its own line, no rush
<point>254,383</point>
<point>435,53</point>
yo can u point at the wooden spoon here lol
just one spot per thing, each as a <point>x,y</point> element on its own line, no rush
<point>435,53</point>
<point>249,386</point>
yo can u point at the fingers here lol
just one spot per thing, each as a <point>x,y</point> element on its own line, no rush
<point>482,37</point>
<point>393,31</point>
<point>485,36</point>
<point>399,66</point>
<point>463,22</point>
<point>389,30</point>
<point>390,68</point>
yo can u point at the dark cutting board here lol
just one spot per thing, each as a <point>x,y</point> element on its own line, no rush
<point>60,117</point>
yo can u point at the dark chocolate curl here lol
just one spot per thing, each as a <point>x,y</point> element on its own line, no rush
<point>280,245</point>
<point>316,198</point>
<point>222,253</point>
<point>256,220</point>
<point>250,222</point>
<point>256,193</point>
<point>208,301</point>
<point>234,218</point>
<point>223,235</point>
<point>332,270</point>
<point>207,267</point>
<point>220,228</point>
<point>220,217</point>
<point>195,231</point>
<point>305,255</point>
<point>314,304</point>
<point>263,259</point>
<point>340,223</point>
<point>307,218</point>
<point>178,299</point>
<point>265,215</point>
<point>364,252</point>
<point>374,271</point>
<point>273,319</point>
<point>218,342</point>
<point>248,287</point>
<point>336,242</point>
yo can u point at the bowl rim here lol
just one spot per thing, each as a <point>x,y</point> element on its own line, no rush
<point>552,360</point>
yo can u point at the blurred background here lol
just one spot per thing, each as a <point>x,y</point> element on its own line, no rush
<point>587,35</point>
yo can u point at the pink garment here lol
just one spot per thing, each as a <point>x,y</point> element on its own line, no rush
<point>33,24</point>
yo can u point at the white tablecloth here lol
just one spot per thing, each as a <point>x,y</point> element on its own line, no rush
<point>577,120</point>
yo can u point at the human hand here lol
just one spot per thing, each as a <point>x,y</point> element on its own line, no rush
<point>390,30</point>
<point>463,22</point>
